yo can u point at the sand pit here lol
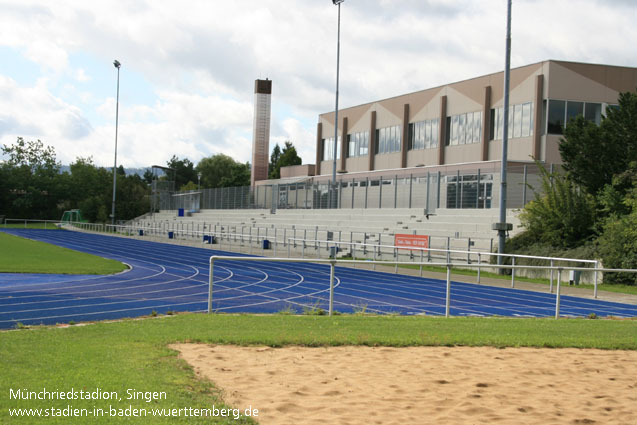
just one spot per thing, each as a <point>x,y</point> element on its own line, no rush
<point>423,385</point>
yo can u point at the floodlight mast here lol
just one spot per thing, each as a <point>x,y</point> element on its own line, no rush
<point>117,65</point>
<point>502,227</point>
<point>333,199</point>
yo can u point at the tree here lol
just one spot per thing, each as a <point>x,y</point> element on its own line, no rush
<point>31,180</point>
<point>184,171</point>
<point>561,215</point>
<point>286,158</point>
<point>222,171</point>
<point>593,154</point>
<point>148,176</point>
<point>274,158</point>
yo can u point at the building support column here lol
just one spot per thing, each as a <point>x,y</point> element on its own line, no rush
<point>344,146</point>
<point>372,140</point>
<point>442,130</point>
<point>319,148</point>
<point>537,124</point>
<point>486,123</point>
<point>405,142</point>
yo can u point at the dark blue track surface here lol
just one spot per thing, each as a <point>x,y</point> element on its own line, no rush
<point>166,277</point>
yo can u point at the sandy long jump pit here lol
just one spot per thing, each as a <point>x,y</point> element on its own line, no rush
<point>423,385</point>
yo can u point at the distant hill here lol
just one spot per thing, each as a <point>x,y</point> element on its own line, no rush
<point>129,171</point>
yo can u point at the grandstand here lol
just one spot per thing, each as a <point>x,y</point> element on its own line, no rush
<point>459,229</point>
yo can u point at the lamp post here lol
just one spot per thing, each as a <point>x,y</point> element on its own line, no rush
<point>338,54</point>
<point>117,65</point>
<point>502,227</point>
<point>198,181</point>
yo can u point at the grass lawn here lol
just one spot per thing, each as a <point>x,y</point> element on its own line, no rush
<point>29,225</point>
<point>19,255</point>
<point>133,353</point>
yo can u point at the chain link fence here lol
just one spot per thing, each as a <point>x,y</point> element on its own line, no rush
<point>467,189</point>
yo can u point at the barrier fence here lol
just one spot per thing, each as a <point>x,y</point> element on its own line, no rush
<point>367,253</point>
<point>469,188</point>
<point>449,266</point>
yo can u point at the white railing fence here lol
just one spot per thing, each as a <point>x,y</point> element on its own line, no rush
<point>448,266</point>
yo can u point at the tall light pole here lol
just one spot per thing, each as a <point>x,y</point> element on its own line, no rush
<point>502,227</point>
<point>117,65</point>
<point>338,54</point>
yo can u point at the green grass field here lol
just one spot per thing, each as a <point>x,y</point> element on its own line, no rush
<point>18,255</point>
<point>134,353</point>
<point>29,225</point>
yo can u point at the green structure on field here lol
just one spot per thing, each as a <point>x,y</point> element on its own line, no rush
<point>72,216</point>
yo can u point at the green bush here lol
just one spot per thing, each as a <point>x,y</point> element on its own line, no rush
<point>618,247</point>
<point>561,215</point>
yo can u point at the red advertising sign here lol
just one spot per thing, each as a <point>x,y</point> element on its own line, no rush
<point>411,241</point>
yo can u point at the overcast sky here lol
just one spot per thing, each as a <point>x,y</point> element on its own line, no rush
<point>188,68</point>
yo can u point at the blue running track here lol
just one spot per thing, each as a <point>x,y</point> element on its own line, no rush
<point>166,277</point>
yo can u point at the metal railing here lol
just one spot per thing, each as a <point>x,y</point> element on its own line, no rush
<point>368,253</point>
<point>473,188</point>
<point>449,266</point>
<point>47,223</point>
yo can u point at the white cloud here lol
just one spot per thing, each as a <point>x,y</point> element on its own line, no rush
<point>199,60</point>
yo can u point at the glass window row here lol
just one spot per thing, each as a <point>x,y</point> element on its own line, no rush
<point>328,149</point>
<point>464,129</point>
<point>559,112</point>
<point>423,134</point>
<point>358,144</point>
<point>520,121</point>
<point>388,140</point>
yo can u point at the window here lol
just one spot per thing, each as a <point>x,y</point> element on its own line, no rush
<point>520,121</point>
<point>561,112</point>
<point>573,110</point>
<point>461,129</point>
<point>593,112</point>
<point>423,135</point>
<point>357,144</point>
<point>467,192</point>
<point>388,140</point>
<point>527,122</point>
<point>328,149</point>
<point>477,127</point>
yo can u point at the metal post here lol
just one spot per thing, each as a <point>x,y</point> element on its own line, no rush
<point>478,191</point>
<point>448,296</point>
<point>525,182</point>
<point>366,189</point>
<point>380,192</point>
<point>411,185</point>
<point>505,139</point>
<point>338,54</point>
<point>210,281</point>
<point>595,282</point>
<point>395,191</point>
<point>438,198</point>
<point>557,298</point>
<point>512,272</point>
<point>551,281</point>
<point>117,65</point>
<point>427,198</point>
<point>469,251</point>
<point>478,267</point>
<point>458,189</point>
<point>332,266</point>
<point>353,183</point>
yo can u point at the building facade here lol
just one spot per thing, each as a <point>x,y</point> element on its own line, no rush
<point>461,122</point>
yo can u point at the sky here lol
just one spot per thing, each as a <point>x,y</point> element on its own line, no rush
<point>188,68</point>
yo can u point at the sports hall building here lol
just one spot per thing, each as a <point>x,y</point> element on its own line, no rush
<point>452,135</point>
